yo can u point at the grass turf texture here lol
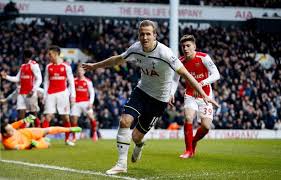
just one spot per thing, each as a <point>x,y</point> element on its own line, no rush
<point>215,159</point>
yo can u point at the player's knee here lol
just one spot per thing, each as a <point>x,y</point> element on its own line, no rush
<point>137,137</point>
<point>126,121</point>
<point>206,124</point>
<point>188,118</point>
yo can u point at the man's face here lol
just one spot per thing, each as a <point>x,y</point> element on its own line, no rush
<point>147,37</point>
<point>9,130</point>
<point>81,72</point>
<point>52,55</point>
<point>188,48</point>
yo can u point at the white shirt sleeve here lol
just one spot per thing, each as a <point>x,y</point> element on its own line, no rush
<point>129,54</point>
<point>70,80</point>
<point>174,62</point>
<point>12,95</point>
<point>214,74</point>
<point>46,82</point>
<point>91,91</point>
<point>38,76</point>
<point>175,84</point>
<point>40,91</point>
<point>14,78</point>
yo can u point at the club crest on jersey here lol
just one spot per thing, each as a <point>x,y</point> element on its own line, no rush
<point>173,59</point>
<point>61,69</point>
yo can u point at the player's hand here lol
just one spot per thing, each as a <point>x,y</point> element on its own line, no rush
<point>29,119</point>
<point>210,100</point>
<point>195,93</point>
<point>30,94</point>
<point>3,101</point>
<point>172,101</point>
<point>89,66</point>
<point>34,143</point>
<point>3,74</point>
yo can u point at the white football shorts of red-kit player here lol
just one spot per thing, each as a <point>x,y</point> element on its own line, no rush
<point>81,107</point>
<point>30,104</point>
<point>57,101</point>
<point>197,104</point>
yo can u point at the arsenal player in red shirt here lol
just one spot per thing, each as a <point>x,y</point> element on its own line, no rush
<point>58,82</point>
<point>29,78</point>
<point>202,68</point>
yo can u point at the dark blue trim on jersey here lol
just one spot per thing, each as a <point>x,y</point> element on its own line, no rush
<point>162,61</point>
<point>134,53</point>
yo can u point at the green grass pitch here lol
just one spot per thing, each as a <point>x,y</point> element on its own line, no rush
<point>215,159</point>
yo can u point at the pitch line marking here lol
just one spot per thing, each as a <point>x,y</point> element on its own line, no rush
<point>46,166</point>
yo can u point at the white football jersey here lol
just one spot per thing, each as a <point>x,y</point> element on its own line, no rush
<point>158,69</point>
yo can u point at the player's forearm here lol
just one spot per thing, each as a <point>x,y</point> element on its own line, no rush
<point>192,81</point>
<point>13,94</point>
<point>215,75</point>
<point>109,62</point>
<point>17,124</point>
<point>12,78</point>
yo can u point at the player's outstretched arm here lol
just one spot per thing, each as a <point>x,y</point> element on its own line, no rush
<point>109,62</point>
<point>187,76</point>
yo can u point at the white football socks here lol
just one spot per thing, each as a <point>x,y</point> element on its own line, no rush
<point>123,144</point>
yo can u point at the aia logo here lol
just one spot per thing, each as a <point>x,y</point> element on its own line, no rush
<point>149,72</point>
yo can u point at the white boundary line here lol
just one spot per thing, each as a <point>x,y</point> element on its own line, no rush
<point>46,166</point>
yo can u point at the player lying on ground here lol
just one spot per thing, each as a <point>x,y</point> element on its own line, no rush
<point>27,138</point>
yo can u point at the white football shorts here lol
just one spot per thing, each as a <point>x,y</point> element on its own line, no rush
<point>30,104</point>
<point>197,104</point>
<point>80,107</point>
<point>57,101</point>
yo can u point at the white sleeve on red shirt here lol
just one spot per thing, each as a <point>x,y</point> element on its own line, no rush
<point>38,76</point>
<point>213,71</point>
<point>40,91</point>
<point>91,91</point>
<point>70,80</point>
<point>12,95</point>
<point>46,82</point>
<point>14,78</point>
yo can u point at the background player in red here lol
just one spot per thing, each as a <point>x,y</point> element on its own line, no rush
<point>56,94</point>
<point>202,68</point>
<point>29,78</point>
<point>85,96</point>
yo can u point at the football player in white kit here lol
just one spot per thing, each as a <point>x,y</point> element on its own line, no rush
<point>149,99</point>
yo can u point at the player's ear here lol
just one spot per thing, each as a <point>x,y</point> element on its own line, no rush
<point>155,35</point>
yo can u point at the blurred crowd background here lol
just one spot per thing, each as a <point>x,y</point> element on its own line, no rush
<point>249,95</point>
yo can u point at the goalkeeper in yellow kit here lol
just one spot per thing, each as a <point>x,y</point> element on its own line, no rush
<point>27,138</point>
